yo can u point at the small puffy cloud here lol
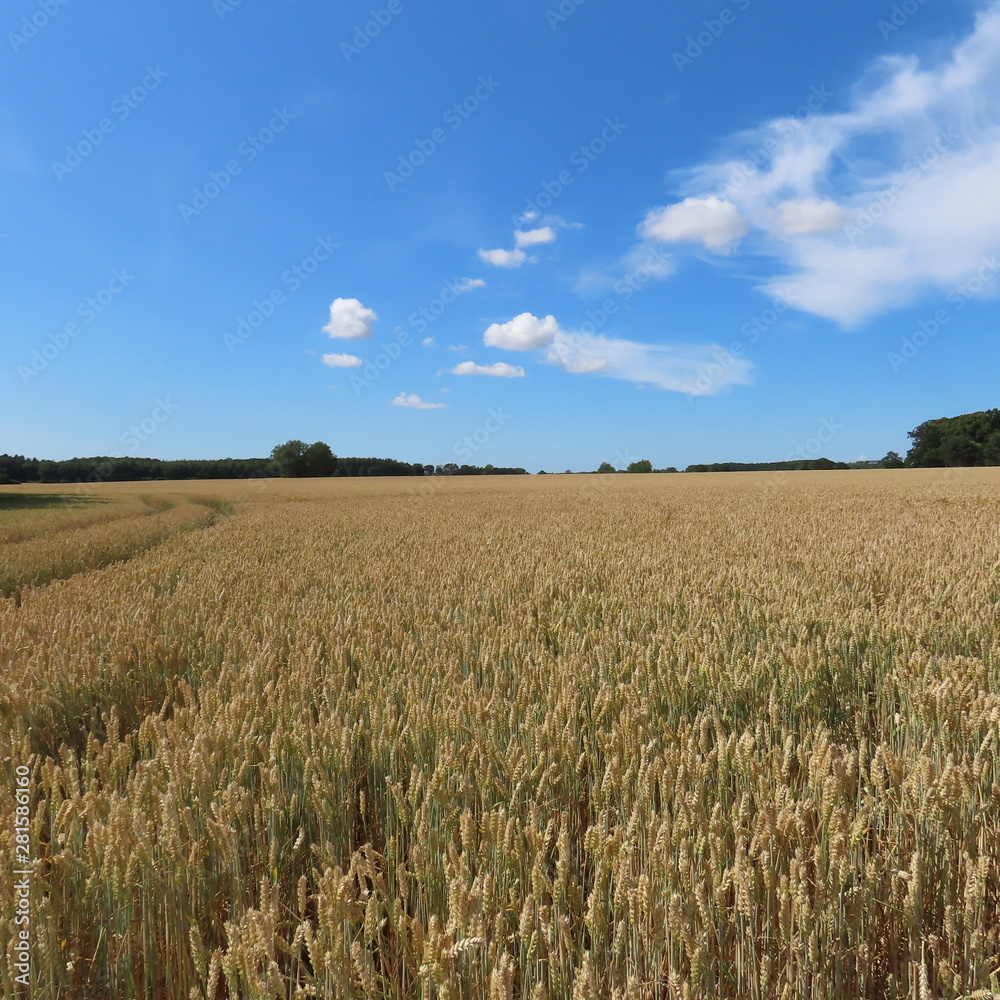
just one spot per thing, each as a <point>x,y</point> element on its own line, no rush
<point>341,361</point>
<point>807,217</point>
<point>503,258</point>
<point>464,285</point>
<point>499,369</point>
<point>532,237</point>
<point>715,223</point>
<point>528,216</point>
<point>428,342</point>
<point>523,333</point>
<point>411,399</point>
<point>697,370</point>
<point>349,320</point>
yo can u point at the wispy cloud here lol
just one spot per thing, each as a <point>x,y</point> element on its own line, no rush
<point>412,400</point>
<point>673,367</point>
<point>865,209</point>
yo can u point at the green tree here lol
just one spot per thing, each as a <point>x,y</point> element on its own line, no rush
<point>892,460</point>
<point>643,465</point>
<point>319,460</point>
<point>968,439</point>
<point>606,467</point>
<point>990,453</point>
<point>289,459</point>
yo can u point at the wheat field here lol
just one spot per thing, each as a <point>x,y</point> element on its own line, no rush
<point>668,736</point>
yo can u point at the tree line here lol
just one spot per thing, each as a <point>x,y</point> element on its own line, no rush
<point>966,440</point>
<point>296,459</point>
<point>970,439</point>
<point>293,459</point>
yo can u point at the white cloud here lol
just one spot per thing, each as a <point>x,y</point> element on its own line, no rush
<point>698,370</point>
<point>341,361</point>
<point>428,342</point>
<point>523,333</point>
<point>911,163</point>
<point>413,400</point>
<point>532,237</point>
<point>807,217</point>
<point>503,258</point>
<point>464,285</point>
<point>499,369</point>
<point>528,216</point>
<point>349,320</point>
<point>711,221</point>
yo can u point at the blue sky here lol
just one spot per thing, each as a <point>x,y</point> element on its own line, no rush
<point>533,234</point>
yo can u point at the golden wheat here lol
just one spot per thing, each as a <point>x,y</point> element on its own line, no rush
<point>727,736</point>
